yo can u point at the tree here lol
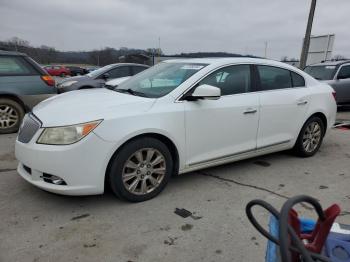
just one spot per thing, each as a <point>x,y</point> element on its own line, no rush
<point>339,57</point>
<point>284,59</point>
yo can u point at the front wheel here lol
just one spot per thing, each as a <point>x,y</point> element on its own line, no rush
<point>11,114</point>
<point>141,170</point>
<point>310,137</point>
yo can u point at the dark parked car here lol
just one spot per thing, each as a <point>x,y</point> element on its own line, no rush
<point>57,70</point>
<point>23,84</point>
<point>97,78</point>
<point>76,70</point>
<point>337,74</point>
<point>89,69</point>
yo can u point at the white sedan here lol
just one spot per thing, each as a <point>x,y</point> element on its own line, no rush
<point>176,117</point>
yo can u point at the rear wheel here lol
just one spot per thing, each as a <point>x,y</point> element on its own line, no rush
<point>11,114</point>
<point>141,170</point>
<point>310,137</point>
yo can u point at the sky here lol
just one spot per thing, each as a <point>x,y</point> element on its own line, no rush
<point>237,26</point>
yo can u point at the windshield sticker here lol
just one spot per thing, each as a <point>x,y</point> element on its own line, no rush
<point>192,67</point>
<point>330,67</point>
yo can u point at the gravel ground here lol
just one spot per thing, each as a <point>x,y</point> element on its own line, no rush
<point>39,226</point>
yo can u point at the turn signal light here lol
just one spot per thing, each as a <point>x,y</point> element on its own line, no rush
<point>48,80</point>
<point>88,127</point>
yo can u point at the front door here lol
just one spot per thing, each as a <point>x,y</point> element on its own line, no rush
<point>216,129</point>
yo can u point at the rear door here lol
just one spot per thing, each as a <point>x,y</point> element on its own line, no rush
<point>223,128</point>
<point>342,84</point>
<point>120,71</point>
<point>284,101</point>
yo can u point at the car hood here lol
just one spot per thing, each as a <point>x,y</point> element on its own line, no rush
<point>87,105</point>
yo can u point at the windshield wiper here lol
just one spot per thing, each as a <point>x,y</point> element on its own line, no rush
<point>131,92</point>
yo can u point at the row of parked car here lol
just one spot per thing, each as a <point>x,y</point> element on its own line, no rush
<point>24,83</point>
<point>63,71</point>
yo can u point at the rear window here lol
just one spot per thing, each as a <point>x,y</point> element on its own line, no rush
<point>15,65</point>
<point>298,80</point>
<point>324,72</point>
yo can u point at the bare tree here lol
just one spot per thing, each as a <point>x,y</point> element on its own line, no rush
<point>339,57</point>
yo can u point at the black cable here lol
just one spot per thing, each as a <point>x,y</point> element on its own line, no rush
<point>284,228</point>
<point>297,245</point>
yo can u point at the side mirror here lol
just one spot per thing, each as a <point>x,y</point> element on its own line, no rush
<point>206,92</point>
<point>105,76</point>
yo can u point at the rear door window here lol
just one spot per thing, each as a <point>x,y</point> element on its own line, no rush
<point>137,69</point>
<point>15,65</point>
<point>121,71</point>
<point>272,78</point>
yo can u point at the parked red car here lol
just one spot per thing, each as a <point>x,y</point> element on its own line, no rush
<point>57,70</point>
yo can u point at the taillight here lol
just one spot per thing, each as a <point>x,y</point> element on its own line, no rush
<point>48,80</point>
<point>334,95</point>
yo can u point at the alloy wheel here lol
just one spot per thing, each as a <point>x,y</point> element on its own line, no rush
<point>8,116</point>
<point>144,171</point>
<point>312,137</point>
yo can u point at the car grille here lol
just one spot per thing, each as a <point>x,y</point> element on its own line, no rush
<point>29,127</point>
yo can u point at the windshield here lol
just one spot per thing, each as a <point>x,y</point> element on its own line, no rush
<point>321,72</point>
<point>99,71</point>
<point>160,79</point>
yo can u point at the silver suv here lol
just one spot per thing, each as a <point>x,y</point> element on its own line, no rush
<point>23,84</point>
<point>337,74</point>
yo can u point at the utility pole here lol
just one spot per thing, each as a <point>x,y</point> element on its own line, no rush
<point>306,43</point>
<point>158,49</point>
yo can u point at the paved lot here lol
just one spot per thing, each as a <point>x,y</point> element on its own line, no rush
<point>39,226</point>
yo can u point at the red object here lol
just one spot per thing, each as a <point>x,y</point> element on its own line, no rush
<point>48,80</point>
<point>57,70</point>
<point>334,95</point>
<point>317,238</point>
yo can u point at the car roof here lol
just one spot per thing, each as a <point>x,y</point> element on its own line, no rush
<point>130,64</point>
<point>3,52</point>
<point>233,60</point>
<point>331,63</point>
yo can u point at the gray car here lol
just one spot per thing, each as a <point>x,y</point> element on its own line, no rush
<point>97,78</point>
<point>23,84</point>
<point>337,74</point>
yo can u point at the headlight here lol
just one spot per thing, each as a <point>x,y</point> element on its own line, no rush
<point>66,84</point>
<point>66,135</point>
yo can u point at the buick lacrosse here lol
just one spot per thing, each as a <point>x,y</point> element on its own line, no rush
<point>176,117</point>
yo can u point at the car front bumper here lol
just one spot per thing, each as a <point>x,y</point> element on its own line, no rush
<point>81,165</point>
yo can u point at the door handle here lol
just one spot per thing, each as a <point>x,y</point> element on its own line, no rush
<point>301,103</point>
<point>250,111</point>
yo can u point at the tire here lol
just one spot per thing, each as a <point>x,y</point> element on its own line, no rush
<point>310,137</point>
<point>62,75</point>
<point>11,115</point>
<point>131,173</point>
